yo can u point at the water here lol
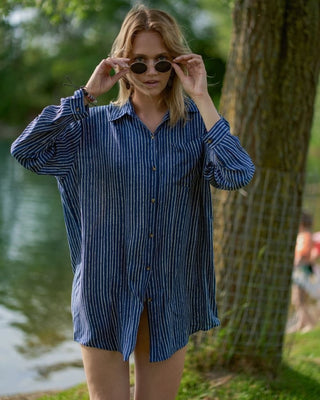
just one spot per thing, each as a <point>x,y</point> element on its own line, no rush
<point>36,347</point>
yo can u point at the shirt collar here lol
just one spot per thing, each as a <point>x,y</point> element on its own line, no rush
<point>118,112</point>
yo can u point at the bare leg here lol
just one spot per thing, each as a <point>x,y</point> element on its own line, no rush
<point>160,380</point>
<point>107,374</point>
<point>299,300</point>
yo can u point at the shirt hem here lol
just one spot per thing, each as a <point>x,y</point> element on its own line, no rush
<point>193,330</point>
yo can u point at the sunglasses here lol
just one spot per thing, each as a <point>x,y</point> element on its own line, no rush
<point>160,66</point>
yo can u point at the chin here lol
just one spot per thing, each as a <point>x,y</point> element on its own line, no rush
<point>156,91</point>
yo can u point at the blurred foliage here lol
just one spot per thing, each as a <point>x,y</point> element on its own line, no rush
<point>49,42</point>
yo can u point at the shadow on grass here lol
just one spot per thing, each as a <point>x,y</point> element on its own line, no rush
<point>291,383</point>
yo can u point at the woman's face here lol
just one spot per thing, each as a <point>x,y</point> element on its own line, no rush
<point>148,47</point>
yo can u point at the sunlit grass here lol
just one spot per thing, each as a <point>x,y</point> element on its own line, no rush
<point>298,378</point>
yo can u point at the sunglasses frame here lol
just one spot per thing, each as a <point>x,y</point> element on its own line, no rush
<point>144,66</point>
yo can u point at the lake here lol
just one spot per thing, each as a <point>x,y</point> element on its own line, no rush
<point>37,351</point>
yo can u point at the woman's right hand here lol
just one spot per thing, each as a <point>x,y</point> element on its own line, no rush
<point>101,81</point>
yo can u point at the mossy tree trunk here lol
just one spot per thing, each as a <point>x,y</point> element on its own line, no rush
<point>268,97</point>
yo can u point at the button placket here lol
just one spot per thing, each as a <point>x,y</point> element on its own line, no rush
<point>152,213</point>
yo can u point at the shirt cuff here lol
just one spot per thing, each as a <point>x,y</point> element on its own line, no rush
<point>217,133</point>
<point>79,110</point>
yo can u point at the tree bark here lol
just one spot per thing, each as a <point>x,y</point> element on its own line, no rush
<point>268,97</point>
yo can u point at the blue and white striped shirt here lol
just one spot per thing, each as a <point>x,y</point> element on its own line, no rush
<point>137,208</point>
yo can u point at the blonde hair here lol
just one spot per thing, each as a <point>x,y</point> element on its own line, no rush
<point>141,18</point>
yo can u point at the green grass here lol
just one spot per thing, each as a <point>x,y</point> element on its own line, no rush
<point>76,393</point>
<point>313,162</point>
<point>298,378</point>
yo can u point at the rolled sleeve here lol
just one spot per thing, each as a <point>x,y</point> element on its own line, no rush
<point>227,165</point>
<point>79,110</point>
<point>214,136</point>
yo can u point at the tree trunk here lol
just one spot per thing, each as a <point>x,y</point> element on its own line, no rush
<point>268,98</point>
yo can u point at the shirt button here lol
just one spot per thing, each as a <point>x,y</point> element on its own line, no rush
<point>209,141</point>
<point>153,201</point>
<point>152,136</point>
<point>149,300</point>
<point>150,235</point>
<point>148,268</point>
<point>154,168</point>
<point>77,109</point>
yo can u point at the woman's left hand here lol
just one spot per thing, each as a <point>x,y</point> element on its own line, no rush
<point>194,79</point>
<point>194,82</point>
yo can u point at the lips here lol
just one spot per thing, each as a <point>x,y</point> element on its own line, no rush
<point>151,83</point>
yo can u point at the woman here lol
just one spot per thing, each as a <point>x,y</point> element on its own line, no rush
<point>134,178</point>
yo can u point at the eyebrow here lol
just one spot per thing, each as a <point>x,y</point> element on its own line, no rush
<point>156,56</point>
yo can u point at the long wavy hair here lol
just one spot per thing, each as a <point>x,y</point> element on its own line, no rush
<point>141,18</point>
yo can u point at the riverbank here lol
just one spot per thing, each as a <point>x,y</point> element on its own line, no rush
<point>30,396</point>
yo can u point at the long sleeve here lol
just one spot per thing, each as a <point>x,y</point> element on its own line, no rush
<point>49,143</point>
<point>227,164</point>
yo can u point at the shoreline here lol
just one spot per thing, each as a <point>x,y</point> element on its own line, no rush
<point>28,396</point>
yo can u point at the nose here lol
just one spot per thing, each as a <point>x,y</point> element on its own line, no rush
<point>151,69</point>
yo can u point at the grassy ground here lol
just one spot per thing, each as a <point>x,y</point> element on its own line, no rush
<point>298,378</point>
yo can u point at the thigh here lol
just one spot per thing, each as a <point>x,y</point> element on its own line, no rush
<point>159,380</point>
<point>107,374</point>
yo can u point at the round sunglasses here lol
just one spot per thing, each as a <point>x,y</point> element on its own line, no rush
<point>160,66</point>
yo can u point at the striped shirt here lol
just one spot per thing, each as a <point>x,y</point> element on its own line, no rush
<point>137,209</point>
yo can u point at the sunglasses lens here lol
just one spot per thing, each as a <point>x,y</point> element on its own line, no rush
<point>163,66</point>
<point>138,67</point>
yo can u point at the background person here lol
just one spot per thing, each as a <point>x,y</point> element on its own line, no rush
<point>303,269</point>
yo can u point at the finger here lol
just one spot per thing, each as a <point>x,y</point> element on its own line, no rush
<point>109,62</point>
<point>120,74</point>
<point>183,57</point>
<point>125,59</point>
<point>121,62</point>
<point>192,64</point>
<point>186,57</point>
<point>179,71</point>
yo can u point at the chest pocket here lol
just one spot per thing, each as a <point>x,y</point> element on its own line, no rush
<point>188,160</point>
